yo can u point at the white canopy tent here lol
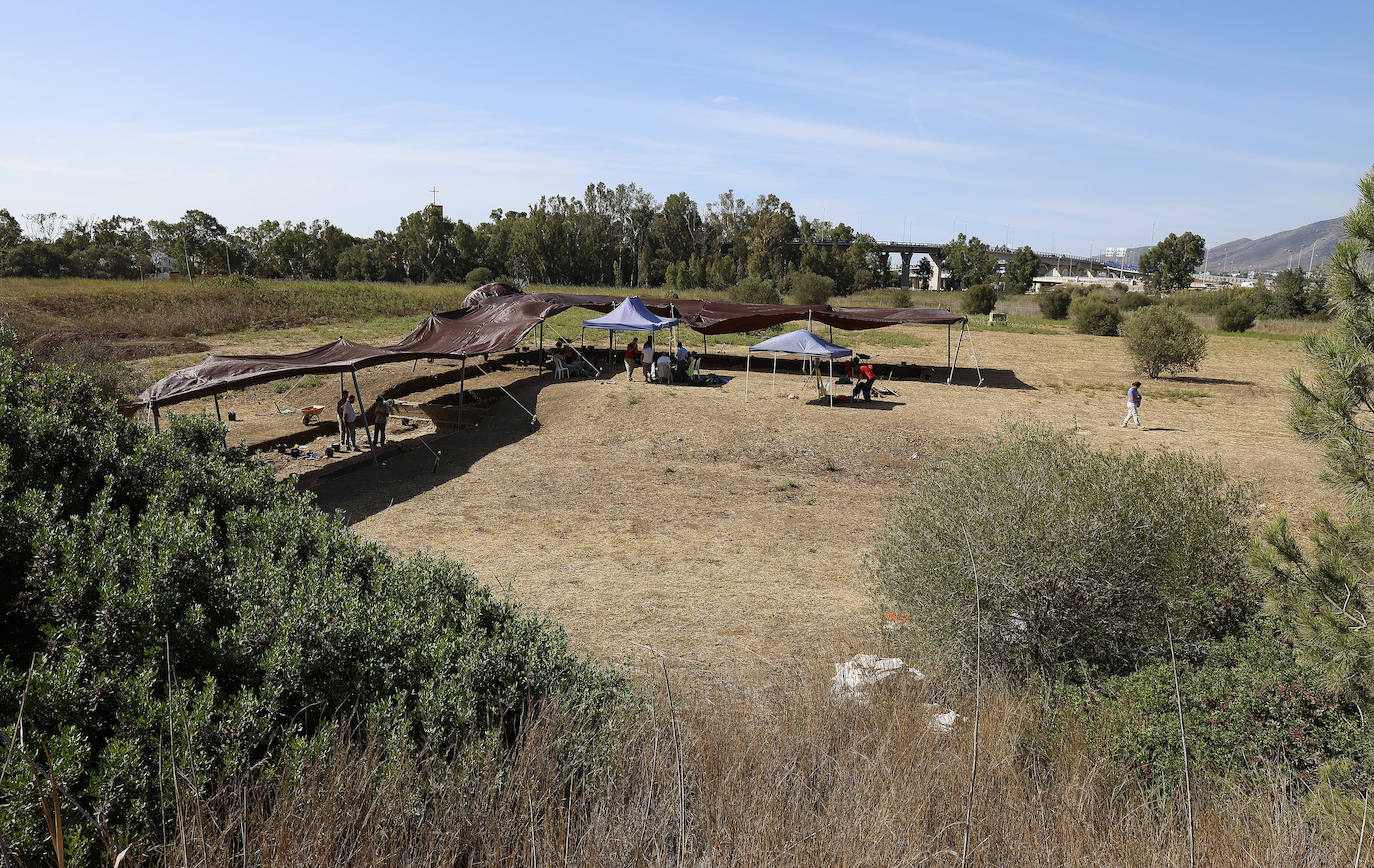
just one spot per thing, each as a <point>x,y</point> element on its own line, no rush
<point>802,342</point>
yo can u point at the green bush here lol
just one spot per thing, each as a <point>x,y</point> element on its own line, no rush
<point>1250,711</point>
<point>978,300</point>
<point>755,290</point>
<point>1080,555</point>
<point>111,378</point>
<point>1054,304</point>
<point>479,277</point>
<point>808,288</point>
<point>895,297</point>
<point>1163,339</point>
<point>1094,315</point>
<point>1129,301</point>
<point>1235,317</point>
<point>129,556</point>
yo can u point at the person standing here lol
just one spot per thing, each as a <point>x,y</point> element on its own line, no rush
<point>381,411</point>
<point>339,414</point>
<point>864,382</point>
<point>646,358</point>
<point>350,418</point>
<point>1132,405</point>
<point>631,359</point>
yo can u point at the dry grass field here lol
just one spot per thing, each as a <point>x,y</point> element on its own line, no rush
<point>727,537</point>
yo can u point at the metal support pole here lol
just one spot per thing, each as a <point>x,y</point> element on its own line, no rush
<point>462,386</point>
<point>533,418</point>
<point>362,414</point>
<point>773,388</point>
<point>955,360</point>
<point>830,387</point>
<point>341,386</point>
<point>541,348</point>
<point>748,357</point>
<point>217,415</point>
<point>157,419</point>
<point>949,343</point>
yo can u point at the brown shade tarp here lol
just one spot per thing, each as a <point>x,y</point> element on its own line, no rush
<point>495,318</point>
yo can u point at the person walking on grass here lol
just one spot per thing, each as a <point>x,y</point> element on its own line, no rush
<point>631,359</point>
<point>1132,405</point>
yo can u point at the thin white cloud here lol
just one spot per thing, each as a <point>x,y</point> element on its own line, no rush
<point>724,99</point>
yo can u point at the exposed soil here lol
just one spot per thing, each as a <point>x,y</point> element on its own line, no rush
<point>728,536</point>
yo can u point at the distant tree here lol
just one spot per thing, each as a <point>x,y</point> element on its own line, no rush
<point>1163,339</point>
<point>1094,315</point>
<point>979,299</point>
<point>755,290</point>
<point>196,242</point>
<point>1022,269</point>
<point>1054,304</point>
<point>922,272</point>
<point>807,288</point>
<point>1291,294</point>
<point>424,242</point>
<point>967,261</point>
<point>11,233</point>
<point>1170,264</point>
<point>1236,316</point>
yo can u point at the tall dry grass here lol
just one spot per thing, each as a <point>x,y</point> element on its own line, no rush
<point>779,777</point>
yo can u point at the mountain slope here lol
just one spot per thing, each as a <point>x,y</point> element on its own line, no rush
<point>1312,244</point>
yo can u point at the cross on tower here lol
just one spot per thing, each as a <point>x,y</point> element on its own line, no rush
<point>435,191</point>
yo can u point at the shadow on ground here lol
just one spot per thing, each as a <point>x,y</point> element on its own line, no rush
<point>368,490</point>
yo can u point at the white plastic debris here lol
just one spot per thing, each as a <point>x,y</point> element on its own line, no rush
<point>943,721</point>
<point>865,670</point>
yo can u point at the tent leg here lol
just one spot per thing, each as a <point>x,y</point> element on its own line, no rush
<point>362,414</point>
<point>341,386</point>
<point>157,419</point>
<point>217,415</point>
<point>773,389</point>
<point>413,365</point>
<point>830,387</point>
<point>541,348</point>
<point>949,341</point>
<point>955,360</point>
<point>747,360</point>
<point>462,386</point>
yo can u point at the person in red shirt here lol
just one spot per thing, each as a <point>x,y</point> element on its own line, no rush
<point>631,359</point>
<point>864,381</point>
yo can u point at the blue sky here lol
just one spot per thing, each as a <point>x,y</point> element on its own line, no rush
<point>1031,122</point>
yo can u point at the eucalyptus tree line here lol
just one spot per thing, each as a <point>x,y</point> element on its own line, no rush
<point>618,235</point>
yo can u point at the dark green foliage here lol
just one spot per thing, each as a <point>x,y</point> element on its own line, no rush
<point>1080,554</point>
<point>1054,304</point>
<point>979,300</point>
<point>1094,315</point>
<point>1021,270</point>
<point>1163,339</point>
<point>1235,317</point>
<point>807,288</point>
<point>479,277</point>
<point>1251,713</point>
<point>966,262</point>
<point>1170,264</point>
<point>127,555</point>
<point>1128,301</point>
<point>111,379</point>
<point>755,290</point>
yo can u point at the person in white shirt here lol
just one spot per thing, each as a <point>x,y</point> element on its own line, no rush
<point>350,418</point>
<point>646,359</point>
<point>665,368</point>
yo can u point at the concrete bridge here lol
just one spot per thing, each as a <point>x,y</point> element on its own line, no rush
<point>1051,264</point>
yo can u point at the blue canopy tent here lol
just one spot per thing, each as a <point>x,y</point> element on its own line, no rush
<point>630,316</point>
<point>802,342</point>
